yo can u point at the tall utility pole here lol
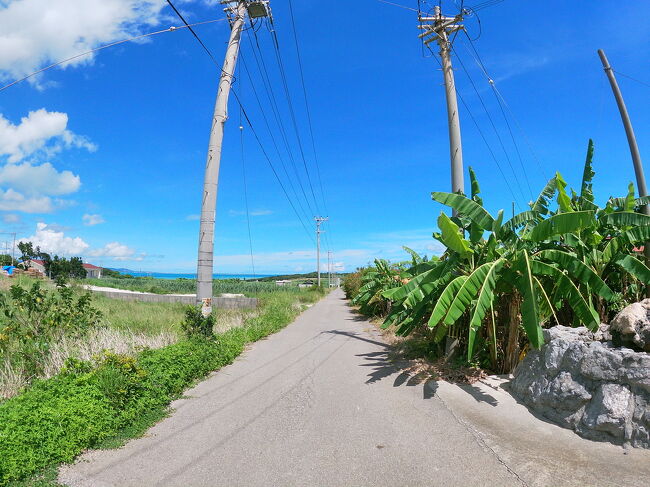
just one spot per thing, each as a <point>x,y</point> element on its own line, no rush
<point>631,140</point>
<point>236,11</point>
<point>629,131</point>
<point>438,28</point>
<point>318,220</point>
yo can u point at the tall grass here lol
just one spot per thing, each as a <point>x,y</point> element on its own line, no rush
<point>188,286</point>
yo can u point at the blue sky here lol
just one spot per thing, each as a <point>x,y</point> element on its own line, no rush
<point>104,158</point>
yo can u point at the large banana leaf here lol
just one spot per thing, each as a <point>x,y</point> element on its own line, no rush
<point>469,290</point>
<point>579,271</point>
<point>399,293</point>
<point>444,301</point>
<point>634,267</point>
<point>629,199</point>
<point>586,189</point>
<point>566,289</point>
<point>451,236</point>
<point>634,236</point>
<point>529,308</point>
<point>560,224</point>
<point>521,219</point>
<point>483,302</point>
<point>540,206</point>
<point>563,200</point>
<point>625,219</point>
<point>466,207</point>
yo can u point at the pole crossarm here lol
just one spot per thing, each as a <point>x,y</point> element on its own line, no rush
<point>438,28</point>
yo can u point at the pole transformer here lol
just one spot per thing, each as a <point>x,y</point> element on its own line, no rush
<point>318,220</point>
<point>236,11</point>
<point>438,28</point>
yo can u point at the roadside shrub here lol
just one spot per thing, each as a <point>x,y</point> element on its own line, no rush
<point>352,282</point>
<point>197,325</point>
<point>31,320</point>
<point>88,403</point>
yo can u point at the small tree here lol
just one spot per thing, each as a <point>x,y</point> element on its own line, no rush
<point>27,253</point>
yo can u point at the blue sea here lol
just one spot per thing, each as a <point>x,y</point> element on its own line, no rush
<point>162,275</point>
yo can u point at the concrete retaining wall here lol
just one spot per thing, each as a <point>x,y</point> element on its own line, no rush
<point>223,303</point>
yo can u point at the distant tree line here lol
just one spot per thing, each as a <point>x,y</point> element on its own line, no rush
<point>55,266</point>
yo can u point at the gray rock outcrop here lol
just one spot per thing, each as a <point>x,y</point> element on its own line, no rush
<point>582,381</point>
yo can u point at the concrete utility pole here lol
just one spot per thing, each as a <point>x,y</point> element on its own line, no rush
<point>236,11</point>
<point>318,220</point>
<point>329,268</point>
<point>438,28</point>
<point>629,131</point>
<point>631,140</point>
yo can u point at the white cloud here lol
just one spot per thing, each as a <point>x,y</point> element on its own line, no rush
<point>38,32</point>
<point>193,217</point>
<point>11,200</point>
<point>90,220</point>
<point>55,242</point>
<point>116,251</point>
<point>39,130</point>
<point>10,218</point>
<point>39,180</point>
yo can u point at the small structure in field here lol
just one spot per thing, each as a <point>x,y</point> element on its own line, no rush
<point>92,271</point>
<point>283,282</point>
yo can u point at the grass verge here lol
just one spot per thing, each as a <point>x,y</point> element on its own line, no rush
<point>118,397</point>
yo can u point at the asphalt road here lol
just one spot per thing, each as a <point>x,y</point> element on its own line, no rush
<point>316,404</point>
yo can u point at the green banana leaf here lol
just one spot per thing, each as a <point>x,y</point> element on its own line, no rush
<point>466,207</point>
<point>560,224</point>
<point>579,271</point>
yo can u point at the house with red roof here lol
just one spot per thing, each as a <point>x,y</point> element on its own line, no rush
<point>92,271</point>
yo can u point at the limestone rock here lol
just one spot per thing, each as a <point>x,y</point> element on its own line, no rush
<point>631,326</point>
<point>581,381</point>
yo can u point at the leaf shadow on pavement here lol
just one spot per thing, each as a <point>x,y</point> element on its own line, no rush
<point>387,363</point>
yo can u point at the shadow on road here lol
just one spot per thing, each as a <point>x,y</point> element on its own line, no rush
<point>387,363</point>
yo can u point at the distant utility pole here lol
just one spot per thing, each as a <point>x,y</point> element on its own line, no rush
<point>13,249</point>
<point>438,28</point>
<point>318,220</point>
<point>236,11</point>
<point>329,268</point>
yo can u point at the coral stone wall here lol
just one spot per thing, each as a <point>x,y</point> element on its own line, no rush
<point>582,381</point>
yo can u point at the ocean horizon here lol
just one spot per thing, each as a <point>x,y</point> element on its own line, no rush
<point>173,275</point>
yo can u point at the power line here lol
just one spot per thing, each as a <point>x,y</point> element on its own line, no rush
<point>501,99</point>
<point>106,46</point>
<point>266,81</point>
<point>180,16</point>
<point>478,128</point>
<point>494,128</point>
<point>308,110</point>
<point>273,140</point>
<point>292,113</point>
<point>243,167</point>
<point>250,124</point>
<point>304,92</point>
<point>633,79</point>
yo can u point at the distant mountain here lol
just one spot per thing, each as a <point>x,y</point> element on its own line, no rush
<point>122,270</point>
